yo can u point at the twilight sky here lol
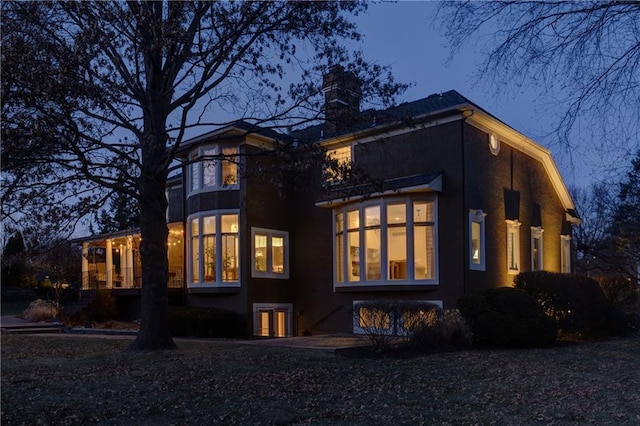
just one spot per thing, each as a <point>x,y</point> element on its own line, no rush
<point>405,36</point>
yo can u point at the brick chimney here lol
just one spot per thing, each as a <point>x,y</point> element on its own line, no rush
<point>342,95</point>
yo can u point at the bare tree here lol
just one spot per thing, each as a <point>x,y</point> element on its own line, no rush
<point>97,97</point>
<point>583,56</point>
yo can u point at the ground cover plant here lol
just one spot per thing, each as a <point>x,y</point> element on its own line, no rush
<point>89,380</point>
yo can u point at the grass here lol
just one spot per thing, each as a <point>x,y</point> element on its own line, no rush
<point>86,380</point>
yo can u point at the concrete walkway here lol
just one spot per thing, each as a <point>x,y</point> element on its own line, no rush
<point>325,342</point>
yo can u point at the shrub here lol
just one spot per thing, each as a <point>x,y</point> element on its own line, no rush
<point>506,317</point>
<point>576,302</point>
<point>190,321</point>
<point>624,297</point>
<point>41,310</point>
<point>103,308</point>
<point>450,330</point>
<point>387,321</point>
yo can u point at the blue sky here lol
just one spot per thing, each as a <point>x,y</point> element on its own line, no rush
<point>405,36</point>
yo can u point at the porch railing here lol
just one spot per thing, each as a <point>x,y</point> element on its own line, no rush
<point>98,280</point>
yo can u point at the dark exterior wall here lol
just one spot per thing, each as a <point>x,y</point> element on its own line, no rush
<point>265,207</point>
<point>486,178</point>
<point>435,149</point>
<point>175,198</point>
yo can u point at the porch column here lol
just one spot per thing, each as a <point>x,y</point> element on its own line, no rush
<point>85,266</point>
<point>129,263</point>
<point>109,266</point>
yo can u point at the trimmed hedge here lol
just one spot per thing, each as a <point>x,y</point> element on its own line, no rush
<point>506,317</point>
<point>577,303</point>
<point>190,321</point>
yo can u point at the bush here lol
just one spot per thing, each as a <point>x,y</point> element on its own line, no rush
<point>41,310</point>
<point>576,302</point>
<point>103,308</point>
<point>448,331</point>
<point>624,297</point>
<point>388,321</point>
<point>506,317</point>
<point>190,321</point>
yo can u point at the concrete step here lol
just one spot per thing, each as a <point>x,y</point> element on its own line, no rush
<point>32,330</point>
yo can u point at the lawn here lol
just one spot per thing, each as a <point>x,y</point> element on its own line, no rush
<point>85,380</point>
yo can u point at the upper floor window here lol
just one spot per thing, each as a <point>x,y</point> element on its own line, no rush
<point>214,249</point>
<point>270,253</point>
<point>513,246</point>
<point>389,241</point>
<point>477,240</point>
<point>212,167</point>
<point>339,161</point>
<point>536,248</point>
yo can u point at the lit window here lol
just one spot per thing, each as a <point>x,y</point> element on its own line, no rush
<point>270,253</point>
<point>390,319</point>
<point>382,242</point>
<point>477,240</point>
<point>213,168</point>
<point>377,319</point>
<point>214,250</point>
<point>272,319</point>
<point>513,246</point>
<point>338,162</point>
<point>536,248</point>
<point>565,253</point>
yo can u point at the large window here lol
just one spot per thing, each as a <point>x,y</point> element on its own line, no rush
<point>338,165</point>
<point>389,241</point>
<point>565,253</point>
<point>477,255</point>
<point>513,246</point>
<point>214,250</point>
<point>212,168</point>
<point>270,253</point>
<point>536,248</point>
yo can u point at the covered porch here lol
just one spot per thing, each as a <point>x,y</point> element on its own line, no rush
<point>112,261</point>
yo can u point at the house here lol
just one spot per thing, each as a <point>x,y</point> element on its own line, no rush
<point>454,201</point>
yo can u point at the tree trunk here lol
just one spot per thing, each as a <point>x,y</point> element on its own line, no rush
<point>154,331</point>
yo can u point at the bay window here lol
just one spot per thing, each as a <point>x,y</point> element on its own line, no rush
<point>386,242</point>
<point>214,250</point>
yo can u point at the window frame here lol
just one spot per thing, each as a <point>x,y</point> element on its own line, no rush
<point>273,308</point>
<point>218,235</point>
<point>270,234</point>
<point>344,264</point>
<point>537,235</point>
<point>330,176</point>
<point>477,216</point>
<point>197,165</point>
<point>513,247</point>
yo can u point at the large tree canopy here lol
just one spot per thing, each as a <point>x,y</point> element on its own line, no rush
<point>581,56</point>
<point>98,96</point>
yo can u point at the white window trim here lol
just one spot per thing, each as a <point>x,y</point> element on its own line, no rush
<point>536,234</point>
<point>514,225</point>
<point>384,280</point>
<point>189,261</point>
<point>565,254</point>
<point>390,331</point>
<point>477,216</point>
<point>199,164</point>
<point>287,307</point>
<point>270,233</point>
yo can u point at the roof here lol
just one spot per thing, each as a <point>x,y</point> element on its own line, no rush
<point>340,194</point>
